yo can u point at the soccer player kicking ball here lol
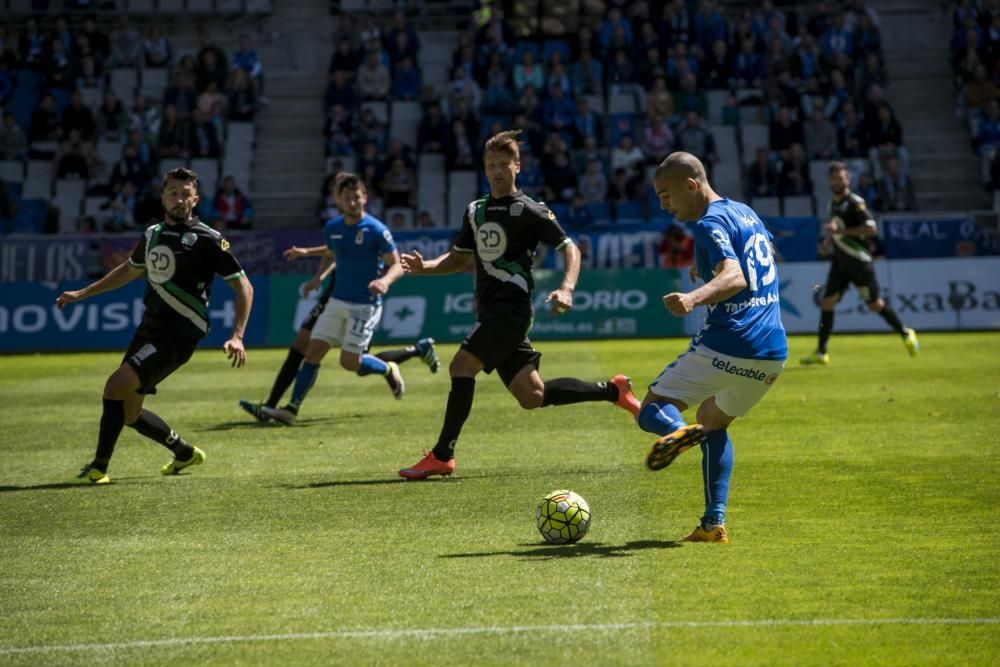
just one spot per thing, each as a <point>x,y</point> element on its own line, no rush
<point>367,264</point>
<point>850,224</point>
<point>739,352</point>
<point>180,257</point>
<point>502,231</point>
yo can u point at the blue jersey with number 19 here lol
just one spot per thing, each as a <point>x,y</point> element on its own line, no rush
<point>747,324</point>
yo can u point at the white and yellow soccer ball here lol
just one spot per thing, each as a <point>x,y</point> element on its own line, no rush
<point>562,517</point>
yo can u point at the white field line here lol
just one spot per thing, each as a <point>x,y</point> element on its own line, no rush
<point>428,633</point>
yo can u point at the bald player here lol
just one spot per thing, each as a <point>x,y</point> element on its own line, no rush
<point>739,352</point>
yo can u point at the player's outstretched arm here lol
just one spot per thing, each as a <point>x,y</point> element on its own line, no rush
<point>326,265</point>
<point>296,252</point>
<point>234,349</point>
<point>450,262</point>
<point>728,281</point>
<point>562,298</point>
<point>122,274</point>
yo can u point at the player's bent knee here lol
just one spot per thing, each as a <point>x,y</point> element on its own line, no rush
<point>350,362</point>
<point>646,419</point>
<point>532,400</point>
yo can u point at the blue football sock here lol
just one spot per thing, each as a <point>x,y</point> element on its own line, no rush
<point>660,417</point>
<point>304,380</point>
<point>372,366</point>
<point>716,467</point>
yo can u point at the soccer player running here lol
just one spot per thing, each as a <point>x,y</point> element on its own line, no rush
<point>739,352</point>
<point>502,230</point>
<point>851,224</point>
<point>367,264</point>
<point>423,348</point>
<point>180,257</point>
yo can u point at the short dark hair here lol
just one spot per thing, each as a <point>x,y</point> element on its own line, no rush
<point>504,142</point>
<point>346,179</point>
<point>182,174</point>
<point>836,167</point>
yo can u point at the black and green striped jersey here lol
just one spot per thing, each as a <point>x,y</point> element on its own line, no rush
<point>852,213</point>
<point>181,262</point>
<point>504,233</point>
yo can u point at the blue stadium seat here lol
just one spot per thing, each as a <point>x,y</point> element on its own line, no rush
<point>30,217</point>
<point>527,46</point>
<point>629,213</point>
<point>560,45</point>
<point>619,124</point>
<point>600,212</point>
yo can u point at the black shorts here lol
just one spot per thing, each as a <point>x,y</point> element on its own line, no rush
<point>846,271</point>
<point>318,309</point>
<point>156,353</point>
<point>503,345</point>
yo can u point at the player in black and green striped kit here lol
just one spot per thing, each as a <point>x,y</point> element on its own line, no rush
<point>180,257</point>
<point>502,232</point>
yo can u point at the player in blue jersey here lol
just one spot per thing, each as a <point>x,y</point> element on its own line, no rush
<point>367,265</point>
<point>739,352</point>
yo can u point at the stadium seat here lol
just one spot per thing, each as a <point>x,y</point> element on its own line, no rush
<point>347,163</point>
<point>240,133</point>
<point>38,180</point>
<point>30,216</point>
<point>621,104</point>
<point>996,201</point>
<point>12,171</point>
<point>526,45</point>
<point>92,206</point>
<point>629,213</point>
<point>430,163</point>
<point>716,100</point>
<point>462,189</point>
<point>600,212</point>
<point>91,97</point>
<point>596,104</point>
<point>380,109</point>
<point>124,83</point>
<point>767,207</point>
<point>259,7</point>
<point>141,6</point>
<point>169,164</point>
<point>154,83</point>
<point>726,179</point>
<point>405,122</point>
<point>199,6</point>
<point>431,196</point>
<point>619,124</point>
<point>70,188</point>
<point>754,135</point>
<point>408,218</point>
<point>208,174</point>
<point>560,45</point>
<point>797,207</point>
<point>170,6</point>
<point>69,213</point>
<point>726,146</point>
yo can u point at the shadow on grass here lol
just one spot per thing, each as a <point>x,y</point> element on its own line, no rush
<point>314,421</point>
<point>400,480</point>
<point>595,549</point>
<point>67,485</point>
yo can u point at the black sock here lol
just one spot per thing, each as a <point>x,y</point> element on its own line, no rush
<point>112,423</point>
<point>459,406</point>
<point>150,425</point>
<point>399,356</point>
<point>563,391</point>
<point>825,329</point>
<point>890,316</point>
<point>286,376</point>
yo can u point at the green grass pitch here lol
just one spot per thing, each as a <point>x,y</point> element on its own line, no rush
<point>863,517</point>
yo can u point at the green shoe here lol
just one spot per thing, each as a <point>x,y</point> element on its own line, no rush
<point>175,466</point>
<point>90,475</point>
<point>911,342</point>
<point>816,359</point>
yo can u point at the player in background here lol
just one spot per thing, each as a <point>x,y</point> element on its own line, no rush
<point>851,224</point>
<point>180,257</point>
<point>502,231</point>
<point>739,352</point>
<point>367,264</point>
<point>423,348</point>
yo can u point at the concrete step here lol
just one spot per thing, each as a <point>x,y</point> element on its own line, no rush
<point>949,201</point>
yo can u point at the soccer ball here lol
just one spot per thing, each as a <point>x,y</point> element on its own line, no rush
<point>562,517</point>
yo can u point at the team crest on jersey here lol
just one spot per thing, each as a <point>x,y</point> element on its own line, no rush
<point>516,209</point>
<point>190,238</point>
<point>160,264</point>
<point>359,238</point>
<point>552,216</point>
<point>224,244</point>
<point>491,241</point>
<point>720,239</point>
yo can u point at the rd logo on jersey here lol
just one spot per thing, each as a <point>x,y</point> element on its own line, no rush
<point>160,264</point>
<point>491,241</point>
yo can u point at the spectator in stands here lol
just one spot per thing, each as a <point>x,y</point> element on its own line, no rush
<point>560,179</point>
<point>531,107</point>
<point>120,210</point>
<point>885,139</point>
<point>851,135</point>
<point>77,116</point>
<point>867,189</point>
<point>717,69</point>
<point>212,104</point>
<point>748,67</point>
<point>621,74</point>
<point>369,129</point>
<point>433,133</point>
<point>530,179</point>
<point>248,60</point>
<point>646,40</point>
<point>242,102</point>
<point>557,77</point>
<point>626,185</point>
<point>156,48</point>
<point>206,45</point>
<point>204,139</point>
<point>112,120</point>
<point>577,214</point>
<point>425,221</point>
<point>97,40</point>
<point>650,65</point>
<point>463,87</point>
<point>611,23</point>
<point>126,45</point>
<point>679,64</point>
<point>340,91</point>
<point>88,63</point>
<point>590,151</point>
<point>896,188</point>
<point>558,113</point>
<point>839,93</point>
<point>396,149</point>
<point>129,169</point>
<point>869,71</point>
<point>399,185</point>
<point>462,111</point>
<point>75,158</point>
<point>837,39</point>
<point>144,150</point>
<point>979,92</point>
<point>987,138</point>
<point>528,72</point>
<point>232,206</point>
<point>762,177</point>
<point>587,75</point>
<point>326,207</point>
<point>593,184</point>
<point>373,78</point>
<point>730,112</point>
<point>586,123</point>
<point>690,97</point>
<point>211,70</point>
<point>785,131</point>
<point>583,40</point>
<point>659,101</point>
<point>496,98</point>
<point>174,135</point>
<point>499,25</point>
<point>145,117</point>
<point>657,139</point>
<point>58,68</point>
<point>866,35</point>
<point>693,138</point>
<point>459,153</point>
<point>13,140</point>
<point>676,249</point>
<point>795,172</point>
<point>820,137</point>
<point>627,155</point>
<point>406,80</point>
<point>345,58</point>
<point>402,41</point>
<point>31,46</point>
<point>45,125</point>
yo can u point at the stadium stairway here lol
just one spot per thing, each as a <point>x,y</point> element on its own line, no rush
<point>944,169</point>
